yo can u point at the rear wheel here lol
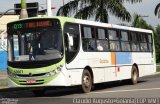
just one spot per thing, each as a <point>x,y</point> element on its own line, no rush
<point>134,75</point>
<point>86,81</point>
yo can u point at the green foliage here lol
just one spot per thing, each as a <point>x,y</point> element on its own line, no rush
<point>158,67</point>
<point>157,43</point>
<point>97,9</point>
<point>132,1</point>
<point>139,22</point>
<point>157,10</point>
<point>3,83</point>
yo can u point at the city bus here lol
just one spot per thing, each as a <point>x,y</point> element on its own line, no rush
<point>62,51</point>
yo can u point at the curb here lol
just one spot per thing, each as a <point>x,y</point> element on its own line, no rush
<point>157,73</point>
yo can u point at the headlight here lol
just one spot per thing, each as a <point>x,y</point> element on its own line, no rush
<point>12,74</point>
<point>56,71</point>
<point>59,68</point>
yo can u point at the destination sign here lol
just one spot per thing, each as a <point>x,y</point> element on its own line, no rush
<point>32,24</point>
<point>45,23</point>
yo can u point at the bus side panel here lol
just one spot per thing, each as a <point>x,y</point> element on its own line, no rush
<point>76,76</point>
<point>123,72</point>
<point>96,61</point>
<point>105,68</point>
<point>75,69</point>
<point>110,74</point>
<point>145,62</point>
<point>123,65</point>
<point>99,75</point>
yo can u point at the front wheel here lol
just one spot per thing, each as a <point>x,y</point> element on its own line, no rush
<point>86,81</point>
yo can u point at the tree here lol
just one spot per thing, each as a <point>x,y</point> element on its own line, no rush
<point>157,10</point>
<point>97,9</point>
<point>139,22</point>
<point>157,43</point>
<point>23,13</point>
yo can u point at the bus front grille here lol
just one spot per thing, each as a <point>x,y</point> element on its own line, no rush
<point>37,82</point>
<point>28,75</point>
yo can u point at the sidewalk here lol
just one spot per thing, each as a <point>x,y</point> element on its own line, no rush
<point>3,74</point>
<point>3,78</point>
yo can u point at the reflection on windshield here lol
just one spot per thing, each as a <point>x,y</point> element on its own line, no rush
<point>45,44</point>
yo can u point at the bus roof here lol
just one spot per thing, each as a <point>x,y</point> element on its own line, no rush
<point>94,23</point>
<point>58,17</point>
<point>87,22</point>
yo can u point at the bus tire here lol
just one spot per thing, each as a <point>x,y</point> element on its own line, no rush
<point>134,75</point>
<point>86,81</point>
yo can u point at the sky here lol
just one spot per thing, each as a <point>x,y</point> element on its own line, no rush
<point>146,8</point>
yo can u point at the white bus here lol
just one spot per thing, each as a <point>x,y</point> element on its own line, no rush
<point>61,51</point>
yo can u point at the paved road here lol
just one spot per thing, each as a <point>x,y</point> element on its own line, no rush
<point>147,87</point>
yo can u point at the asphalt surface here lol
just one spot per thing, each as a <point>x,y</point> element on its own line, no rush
<point>147,89</point>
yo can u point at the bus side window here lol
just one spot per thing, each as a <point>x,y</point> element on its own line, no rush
<point>135,41</point>
<point>149,42</point>
<point>114,40</point>
<point>125,44</point>
<point>88,38</point>
<point>143,42</point>
<point>102,39</point>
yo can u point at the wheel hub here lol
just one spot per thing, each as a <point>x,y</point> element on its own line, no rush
<point>86,81</point>
<point>134,76</point>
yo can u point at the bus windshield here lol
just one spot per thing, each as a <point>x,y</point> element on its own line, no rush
<point>36,41</point>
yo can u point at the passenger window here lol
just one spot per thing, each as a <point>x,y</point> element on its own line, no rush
<point>114,42</point>
<point>143,44</point>
<point>134,42</point>
<point>135,46</point>
<point>102,40</point>
<point>88,38</point>
<point>144,47</point>
<point>149,38</point>
<point>150,47</point>
<point>124,36</point>
<point>149,41</point>
<point>113,35</point>
<point>114,46</point>
<point>125,44</point>
<point>87,32</point>
<point>101,34</point>
<point>134,37</point>
<point>143,37</point>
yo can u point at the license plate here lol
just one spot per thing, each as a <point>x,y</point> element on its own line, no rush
<point>31,81</point>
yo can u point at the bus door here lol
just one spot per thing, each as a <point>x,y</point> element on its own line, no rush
<point>72,39</point>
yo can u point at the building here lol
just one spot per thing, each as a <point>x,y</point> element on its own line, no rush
<point>3,41</point>
<point>5,19</point>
